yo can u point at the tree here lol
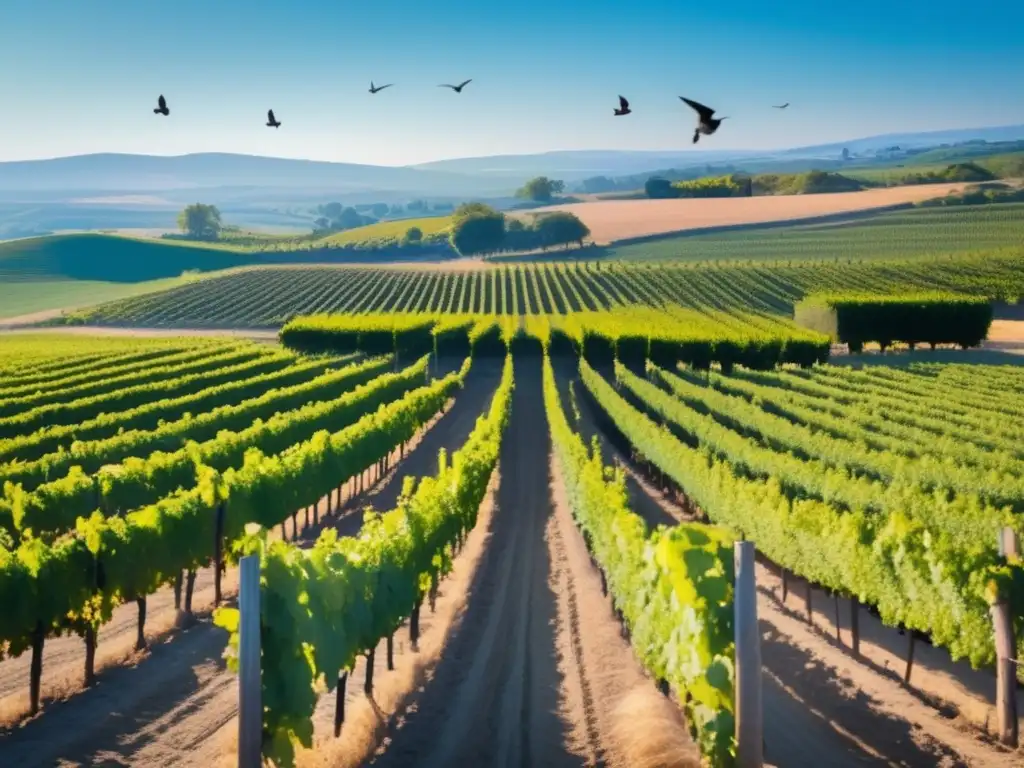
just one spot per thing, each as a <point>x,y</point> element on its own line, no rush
<point>200,221</point>
<point>541,189</point>
<point>478,232</point>
<point>659,189</point>
<point>846,154</point>
<point>349,218</point>
<point>412,236</point>
<point>473,209</point>
<point>561,228</point>
<point>380,210</point>
<point>332,211</point>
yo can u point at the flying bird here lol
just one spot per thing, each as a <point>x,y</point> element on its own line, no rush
<point>781,106</point>
<point>272,122</point>
<point>375,88</point>
<point>457,88</point>
<point>623,107</point>
<point>161,108</point>
<point>706,122</point>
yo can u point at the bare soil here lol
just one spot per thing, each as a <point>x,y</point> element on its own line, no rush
<point>1006,336</point>
<point>612,220</point>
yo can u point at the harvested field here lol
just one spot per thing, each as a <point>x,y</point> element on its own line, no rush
<point>615,220</point>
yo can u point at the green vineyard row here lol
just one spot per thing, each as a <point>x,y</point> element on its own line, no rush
<point>74,582</point>
<point>119,366</point>
<point>90,455</point>
<point>149,415</point>
<point>935,414</point>
<point>915,574</point>
<point>54,507</point>
<point>233,366</point>
<point>269,297</point>
<point>323,607</point>
<point>30,359</point>
<point>674,586</point>
<point>190,362</point>
<point>629,334</point>
<point>931,473</point>
<point>869,422</point>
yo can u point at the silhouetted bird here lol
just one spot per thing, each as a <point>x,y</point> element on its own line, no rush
<point>271,120</point>
<point>781,106</point>
<point>457,88</point>
<point>374,88</point>
<point>706,122</point>
<point>161,108</point>
<point>623,107</point>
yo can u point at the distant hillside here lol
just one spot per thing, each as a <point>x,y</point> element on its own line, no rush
<point>1001,158</point>
<point>108,258</point>
<point>576,165</point>
<point>148,173</point>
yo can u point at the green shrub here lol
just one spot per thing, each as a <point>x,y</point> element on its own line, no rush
<point>923,318</point>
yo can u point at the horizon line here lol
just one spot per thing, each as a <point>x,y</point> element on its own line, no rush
<point>684,150</point>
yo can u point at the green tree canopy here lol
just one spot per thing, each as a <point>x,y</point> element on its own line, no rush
<point>480,231</point>
<point>200,221</point>
<point>380,210</point>
<point>541,189</point>
<point>561,228</point>
<point>473,209</point>
<point>412,236</point>
<point>659,189</point>
<point>331,211</point>
<point>350,218</point>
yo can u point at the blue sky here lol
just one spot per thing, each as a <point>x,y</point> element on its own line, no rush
<point>82,76</point>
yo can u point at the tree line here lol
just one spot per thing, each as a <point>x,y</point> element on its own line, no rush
<point>478,229</point>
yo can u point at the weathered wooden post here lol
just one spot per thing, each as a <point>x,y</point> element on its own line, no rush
<point>250,705</point>
<point>1005,642</point>
<point>749,712</point>
<point>218,553</point>
<point>855,625</point>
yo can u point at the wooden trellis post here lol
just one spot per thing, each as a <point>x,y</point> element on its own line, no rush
<point>1006,645</point>
<point>250,704</point>
<point>749,711</point>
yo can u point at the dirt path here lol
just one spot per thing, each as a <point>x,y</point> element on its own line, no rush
<point>493,699</point>
<point>139,711</point>
<point>1006,336</point>
<point>176,704</point>
<point>536,670</point>
<point>64,657</point>
<point>822,707</point>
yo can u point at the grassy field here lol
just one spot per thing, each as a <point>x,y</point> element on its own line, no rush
<point>388,230</point>
<point>903,234</point>
<point>28,297</point>
<point>67,271</point>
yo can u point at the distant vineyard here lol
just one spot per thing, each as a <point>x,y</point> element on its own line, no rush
<point>920,233</point>
<point>269,297</point>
